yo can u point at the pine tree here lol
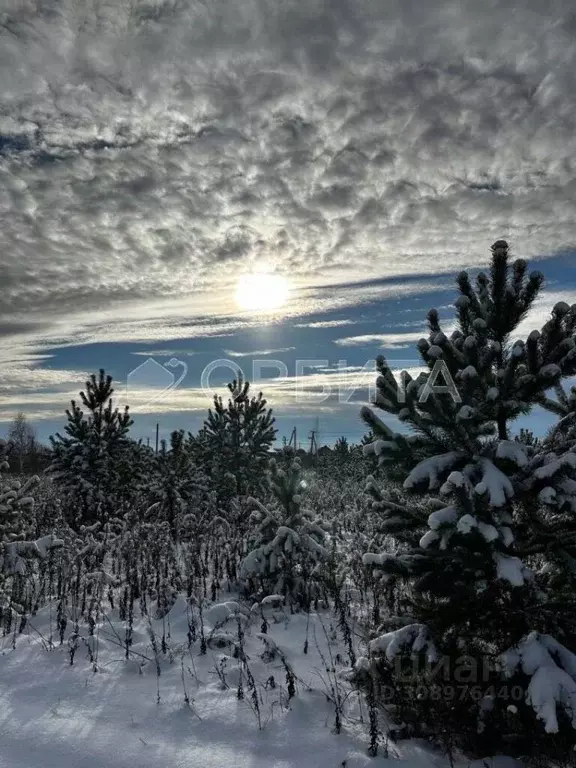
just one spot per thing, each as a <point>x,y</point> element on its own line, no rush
<point>176,482</point>
<point>547,486</point>
<point>465,549</point>
<point>341,448</point>
<point>288,541</point>
<point>94,462</point>
<point>235,441</point>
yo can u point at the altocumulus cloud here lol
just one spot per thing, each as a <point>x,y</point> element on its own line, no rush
<point>151,149</point>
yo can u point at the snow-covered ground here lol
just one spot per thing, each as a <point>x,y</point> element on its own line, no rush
<point>54,715</point>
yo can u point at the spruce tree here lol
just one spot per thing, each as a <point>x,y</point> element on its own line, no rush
<point>93,463</point>
<point>466,551</point>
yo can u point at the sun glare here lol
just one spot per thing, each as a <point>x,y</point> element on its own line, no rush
<point>262,291</point>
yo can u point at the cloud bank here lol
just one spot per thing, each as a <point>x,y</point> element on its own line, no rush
<point>152,150</point>
<point>151,147</point>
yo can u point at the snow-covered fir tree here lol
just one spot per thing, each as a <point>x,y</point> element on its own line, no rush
<point>94,462</point>
<point>491,508</point>
<point>288,544</point>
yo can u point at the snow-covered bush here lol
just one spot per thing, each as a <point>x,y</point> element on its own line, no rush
<point>17,552</point>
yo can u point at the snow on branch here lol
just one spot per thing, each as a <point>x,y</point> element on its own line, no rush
<point>552,669</point>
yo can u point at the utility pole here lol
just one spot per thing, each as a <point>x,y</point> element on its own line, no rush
<point>313,437</point>
<point>313,445</point>
<point>157,431</point>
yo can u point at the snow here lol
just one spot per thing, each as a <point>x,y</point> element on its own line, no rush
<point>220,613</point>
<point>466,524</point>
<point>552,669</point>
<point>507,536</point>
<point>273,600</point>
<point>457,479</point>
<point>549,686</point>
<point>59,716</point>
<point>547,495</point>
<point>489,532</point>
<point>430,469</point>
<point>414,637</point>
<point>513,451</point>
<point>429,538</point>
<point>383,445</point>
<point>548,470</point>
<point>511,569</point>
<point>498,485</point>
<point>442,517</point>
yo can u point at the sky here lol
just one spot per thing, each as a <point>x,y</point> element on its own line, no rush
<point>362,152</point>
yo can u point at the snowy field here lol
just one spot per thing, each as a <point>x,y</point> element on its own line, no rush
<point>57,715</point>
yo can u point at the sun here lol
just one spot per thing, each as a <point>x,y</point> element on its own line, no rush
<point>262,291</point>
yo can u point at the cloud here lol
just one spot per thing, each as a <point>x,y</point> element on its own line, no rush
<point>149,150</point>
<point>258,352</point>
<point>326,324</point>
<point>382,340</point>
<point>165,353</point>
<point>541,311</point>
